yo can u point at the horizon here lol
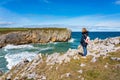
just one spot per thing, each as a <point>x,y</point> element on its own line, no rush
<point>102,15</point>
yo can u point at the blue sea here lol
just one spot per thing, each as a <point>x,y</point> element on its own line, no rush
<point>13,54</point>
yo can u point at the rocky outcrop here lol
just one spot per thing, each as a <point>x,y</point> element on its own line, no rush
<point>42,65</point>
<point>35,36</point>
<point>1,73</point>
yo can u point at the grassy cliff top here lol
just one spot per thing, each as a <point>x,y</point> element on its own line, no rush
<point>7,30</point>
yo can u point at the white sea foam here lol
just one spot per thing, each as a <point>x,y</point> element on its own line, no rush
<point>71,40</point>
<point>48,48</point>
<point>10,46</point>
<point>55,43</point>
<point>14,59</point>
<point>1,56</point>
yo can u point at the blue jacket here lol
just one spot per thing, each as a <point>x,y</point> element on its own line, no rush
<point>83,38</point>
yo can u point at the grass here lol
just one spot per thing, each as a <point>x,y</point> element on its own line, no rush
<point>92,71</point>
<point>117,45</point>
<point>7,30</point>
<point>115,54</point>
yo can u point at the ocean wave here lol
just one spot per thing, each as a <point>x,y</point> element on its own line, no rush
<point>10,46</point>
<point>71,40</point>
<point>1,56</point>
<point>54,42</point>
<point>14,59</point>
<point>48,48</point>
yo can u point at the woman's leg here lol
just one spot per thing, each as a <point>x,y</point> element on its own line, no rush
<point>85,50</point>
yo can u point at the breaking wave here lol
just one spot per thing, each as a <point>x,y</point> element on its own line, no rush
<point>15,58</point>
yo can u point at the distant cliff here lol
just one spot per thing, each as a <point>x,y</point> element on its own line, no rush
<point>43,35</point>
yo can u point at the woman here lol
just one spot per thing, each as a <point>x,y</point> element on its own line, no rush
<point>84,41</point>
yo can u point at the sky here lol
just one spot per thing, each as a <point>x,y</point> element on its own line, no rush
<point>96,15</point>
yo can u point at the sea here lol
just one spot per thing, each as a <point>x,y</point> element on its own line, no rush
<point>11,54</point>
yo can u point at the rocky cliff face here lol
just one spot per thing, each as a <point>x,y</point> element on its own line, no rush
<point>101,63</point>
<point>35,36</point>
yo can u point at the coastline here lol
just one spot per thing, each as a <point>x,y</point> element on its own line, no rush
<point>98,50</point>
<point>20,36</point>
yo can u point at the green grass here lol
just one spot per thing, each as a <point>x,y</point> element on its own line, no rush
<point>6,30</point>
<point>92,71</point>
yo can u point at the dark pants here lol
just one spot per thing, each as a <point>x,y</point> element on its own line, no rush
<point>84,50</point>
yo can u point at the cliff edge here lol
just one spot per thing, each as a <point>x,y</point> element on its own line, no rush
<point>101,63</point>
<point>43,35</point>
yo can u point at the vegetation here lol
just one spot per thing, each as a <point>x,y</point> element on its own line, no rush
<point>6,30</point>
<point>102,69</point>
<point>117,45</point>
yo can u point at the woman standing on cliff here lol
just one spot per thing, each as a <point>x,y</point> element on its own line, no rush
<point>84,41</point>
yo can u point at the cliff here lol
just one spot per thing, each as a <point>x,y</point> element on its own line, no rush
<point>101,63</point>
<point>25,36</point>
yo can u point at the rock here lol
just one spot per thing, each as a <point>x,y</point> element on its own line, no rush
<point>26,61</point>
<point>82,65</point>
<point>31,76</point>
<point>99,47</point>
<point>8,78</point>
<point>16,78</point>
<point>43,78</point>
<point>59,59</point>
<point>79,76</point>
<point>39,66</point>
<point>53,58</point>
<point>106,66</point>
<point>115,58</point>
<point>93,59</point>
<point>35,36</point>
<point>117,66</point>
<point>80,71</point>
<point>82,78</point>
<point>118,59</point>
<point>68,74</point>
<point>96,40</point>
<point>1,73</point>
<point>76,57</point>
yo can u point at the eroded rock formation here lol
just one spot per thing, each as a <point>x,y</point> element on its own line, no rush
<point>35,36</point>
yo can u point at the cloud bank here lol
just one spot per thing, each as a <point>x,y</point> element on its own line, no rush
<point>95,22</point>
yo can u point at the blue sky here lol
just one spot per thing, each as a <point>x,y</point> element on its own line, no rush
<point>96,15</point>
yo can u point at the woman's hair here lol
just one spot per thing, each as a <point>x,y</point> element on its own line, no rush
<point>84,30</point>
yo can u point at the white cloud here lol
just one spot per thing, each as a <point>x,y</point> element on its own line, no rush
<point>109,23</point>
<point>117,2</point>
<point>92,22</point>
<point>11,17</point>
<point>6,23</point>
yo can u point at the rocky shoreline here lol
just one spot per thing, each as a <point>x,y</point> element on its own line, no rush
<point>44,35</point>
<point>103,55</point>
